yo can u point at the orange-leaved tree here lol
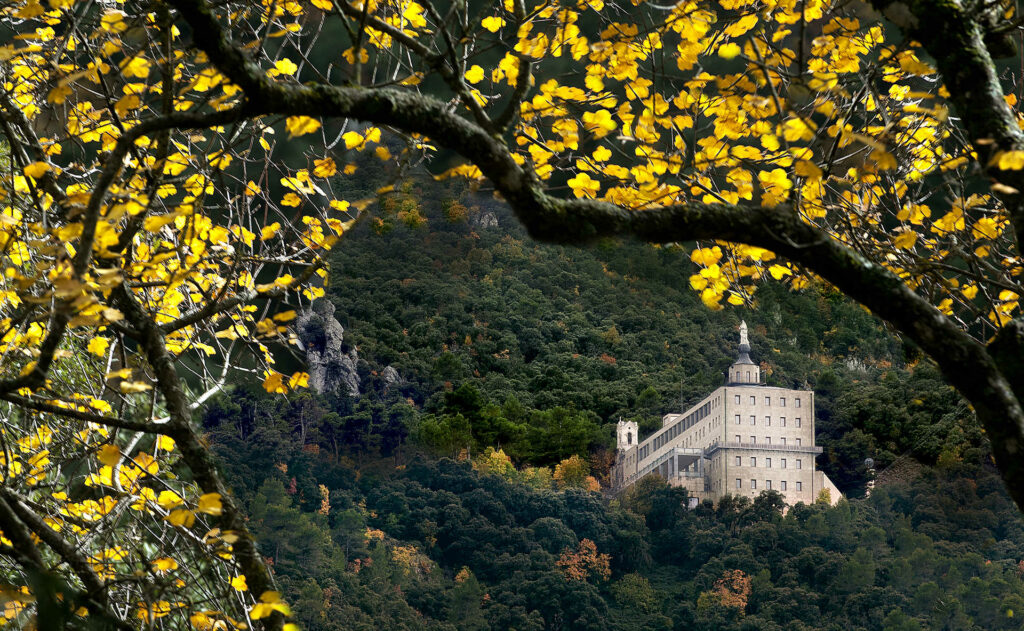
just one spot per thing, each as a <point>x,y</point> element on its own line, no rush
<point>172,178</point>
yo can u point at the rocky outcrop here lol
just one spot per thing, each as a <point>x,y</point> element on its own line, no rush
<point>321,337</point>
<point>390,377</point>
<point>484,220</point>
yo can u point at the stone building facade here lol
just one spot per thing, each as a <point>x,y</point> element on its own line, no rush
<point>741,439</point>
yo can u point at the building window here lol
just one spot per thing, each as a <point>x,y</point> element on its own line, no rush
<point>799,486</point>
<point>739,483</point>
<point>752,420</point>
<point>799,465</point>
<point>782,420</point>
<point>768,421</point>
<point>783,463</point>
<point>753,484</point>
<point>782,402</point>
<point>783,439</point>
<point>767,463</point>
<point>753,440</point>
<point>753,400</point>
<point>739,461</point>
<point>798,401</point>
<point>737,399</point>
<point>748,375</point>
<point>797,419</point>
<point>738,438</point>
<point>753,462</point>
<point>767,440</point>
<point>768,484</point>
<point>768,401</point>
<point>783,483</point>
<point>737,419</point>
<point>797,442</point>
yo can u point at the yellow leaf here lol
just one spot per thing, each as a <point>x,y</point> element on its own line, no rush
<point>154,223</point>
<point>269,603</point>
<point>285,66</point>
<point>36,169</point>
<point>325,167</point>
<point>98,346</point>
<point>238,583</point>
<point>275,383</point>
<point>492,23</point>
<point>131,387</point>
<point>806,168</point>
<point>778,271</point>
<point>109,455</point>
<point>728,51</point>
<point>169,499</point>
<point>268,232</point>
<point>352,139</point>
<point>301,125</point>
<point>1009,160</point>
<point>210,504</point>
<point>164,564</point>
<point>583,186</point>
<point>706,256</point>
<point>299,380</point>
<point>165,443</point>
<point>905,240</point>
<point>181,517</point>
<point>475,74</point>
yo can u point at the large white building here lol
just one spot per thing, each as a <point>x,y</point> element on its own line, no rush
<point>743,438</point>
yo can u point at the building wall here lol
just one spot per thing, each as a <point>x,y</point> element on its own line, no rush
<point>755,471</point>
<point>775,434</point>
<point>769,415</point>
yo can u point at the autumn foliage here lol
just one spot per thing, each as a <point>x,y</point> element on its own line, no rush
<point>585,562</point>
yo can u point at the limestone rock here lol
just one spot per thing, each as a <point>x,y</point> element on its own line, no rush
<point>321,337</point>
<point>390,377</point>
<point>484,220</point>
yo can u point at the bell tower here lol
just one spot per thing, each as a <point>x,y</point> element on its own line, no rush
<point>626,435</point>
<point>744,372</point>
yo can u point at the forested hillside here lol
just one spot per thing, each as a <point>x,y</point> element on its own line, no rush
<point>439,545</point>
<point>536,350</point>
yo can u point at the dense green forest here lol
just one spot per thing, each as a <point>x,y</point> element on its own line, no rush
<point>500,343</point>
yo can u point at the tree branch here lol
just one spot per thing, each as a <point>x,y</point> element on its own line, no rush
<point>109,421</point>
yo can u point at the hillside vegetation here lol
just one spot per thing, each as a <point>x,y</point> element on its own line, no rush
<point>536,351</point>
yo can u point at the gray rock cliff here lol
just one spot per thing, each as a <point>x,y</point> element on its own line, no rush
<point>321,337</point>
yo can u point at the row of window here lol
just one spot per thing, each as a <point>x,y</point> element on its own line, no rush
<point>768,485</point>
<point>678,427</point>
<point>768,401</point>
<point>768,462</point>
<point>768,421</point>
<point>767,440</point>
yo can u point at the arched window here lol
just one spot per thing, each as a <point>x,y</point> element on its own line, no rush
<point>629,438</point>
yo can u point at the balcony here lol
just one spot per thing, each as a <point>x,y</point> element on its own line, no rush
<point>800,449</point>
